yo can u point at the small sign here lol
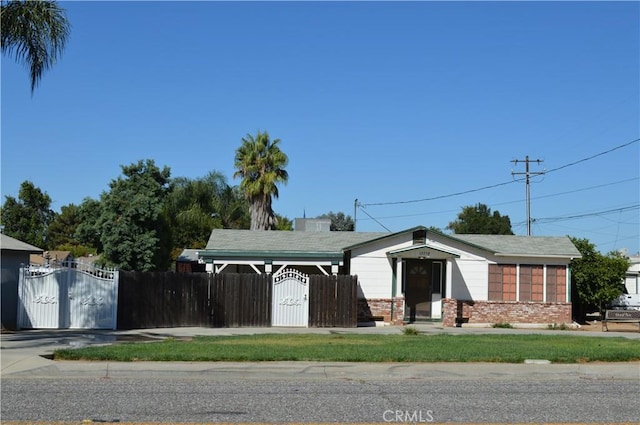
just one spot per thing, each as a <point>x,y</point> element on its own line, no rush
<point>623,314</point>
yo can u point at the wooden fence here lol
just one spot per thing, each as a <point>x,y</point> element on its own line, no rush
<point>157,300</point>
<point>333,301</point>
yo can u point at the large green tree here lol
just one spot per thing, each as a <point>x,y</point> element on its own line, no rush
<point>62,229</point>
<point>195,206</point>
<point>339,221</point>
<point>63,232</point>
<point>283,223</point>
<point>88,232</point>
<point>261,165</point>
<point>35,33</point>
<point>134,232</point>
<point>28,217</point>
<point>596,279</point>
<point>233,209</point>
<point>478,219</point>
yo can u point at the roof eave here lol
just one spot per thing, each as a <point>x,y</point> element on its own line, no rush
<point>564,256</point>
<point>413,229</point>
<point>453,238</point>
<point>267,254</point>
<point>398,252</point>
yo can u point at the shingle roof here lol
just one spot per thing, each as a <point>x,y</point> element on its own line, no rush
<point>286,241</point>
<point>238,242</point>
<point>12,244</point>
<point>188,255</point>
<point>54,256</point>
<point>523,245</point>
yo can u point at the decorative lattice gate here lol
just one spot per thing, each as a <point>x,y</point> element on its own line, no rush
<point>77,295</point>
<point>290,302</point>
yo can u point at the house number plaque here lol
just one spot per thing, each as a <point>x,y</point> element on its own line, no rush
<point>291,301</point>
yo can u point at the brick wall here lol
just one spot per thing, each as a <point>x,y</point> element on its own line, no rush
<point>374,309</point>
<point>513,312</point>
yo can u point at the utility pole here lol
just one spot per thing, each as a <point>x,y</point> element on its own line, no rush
<point>528,174</point>
<point>355,212</point>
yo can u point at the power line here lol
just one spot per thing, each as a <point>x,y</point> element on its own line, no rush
<point>498,184</point>
<point>440,196</point>
<point>572,191</point>
<point>511,202</point>
<point>577,216</point>
<point>371,217</point>
<point>593,156</point>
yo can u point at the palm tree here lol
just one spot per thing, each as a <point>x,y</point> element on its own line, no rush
<point>35,33</point>
<point>260,163</point>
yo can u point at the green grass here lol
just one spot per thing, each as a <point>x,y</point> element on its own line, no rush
<point>369,348</point>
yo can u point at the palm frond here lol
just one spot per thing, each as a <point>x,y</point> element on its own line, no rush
<point>35,33</point>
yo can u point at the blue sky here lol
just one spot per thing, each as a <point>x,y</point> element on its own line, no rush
<point>415,109</point>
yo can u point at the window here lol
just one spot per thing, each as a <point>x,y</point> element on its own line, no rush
<point>502,282</point>
<point>556,283</point>
<point>531,283</point>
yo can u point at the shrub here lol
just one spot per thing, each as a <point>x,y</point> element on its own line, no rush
<point>502,325</point>
<point>558,327</point>
<point>410,331</point>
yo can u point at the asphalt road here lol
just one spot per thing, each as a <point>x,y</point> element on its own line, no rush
<point>34,388</point>
<point>201,399</point>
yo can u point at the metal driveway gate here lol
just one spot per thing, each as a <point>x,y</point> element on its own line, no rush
<point>290,300</point>
<point>78,296</point>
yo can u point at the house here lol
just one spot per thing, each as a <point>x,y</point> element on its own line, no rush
<point>14,254</point>
<point>417,274</point>
<point>630,297</point>
<point>188,262</point>
<point>632,277</point>
<point>51,258</point>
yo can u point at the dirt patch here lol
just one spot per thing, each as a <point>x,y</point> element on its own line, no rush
<point>148,338</point>
<point>596,326</point>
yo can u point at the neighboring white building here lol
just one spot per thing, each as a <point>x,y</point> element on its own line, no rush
<point>418,274</point>
<point>632,278</point>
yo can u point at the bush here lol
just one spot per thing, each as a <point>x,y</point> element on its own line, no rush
<point>410,331</point>
<point>558,327</point>
<point>502,325</point>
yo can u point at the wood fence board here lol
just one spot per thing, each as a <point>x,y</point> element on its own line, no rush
<point>157,300</point>
<point>333,301</point>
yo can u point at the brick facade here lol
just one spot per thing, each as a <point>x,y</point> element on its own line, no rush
<point>379,309</point>
<point>455,312</point>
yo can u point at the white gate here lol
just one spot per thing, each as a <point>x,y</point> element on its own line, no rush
<point>77,296</point>
<point>290,299</point>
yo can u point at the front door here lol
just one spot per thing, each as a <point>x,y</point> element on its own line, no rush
<point>417,290</point>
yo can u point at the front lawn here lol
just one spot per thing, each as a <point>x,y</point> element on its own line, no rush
<point>369,348</point>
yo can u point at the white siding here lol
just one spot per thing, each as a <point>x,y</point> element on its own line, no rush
<point>632,280</point>
<point>470,279</point>
<point>374,268</point>
<point>632,283</point>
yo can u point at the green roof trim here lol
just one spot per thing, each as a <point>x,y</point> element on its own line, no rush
<point>385,236</point>
<point>207,253</point>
